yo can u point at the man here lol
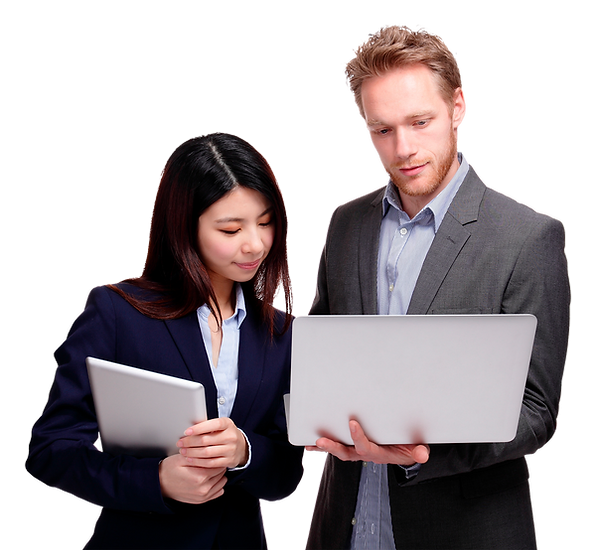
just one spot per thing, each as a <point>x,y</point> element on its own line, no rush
<point>436,240</point>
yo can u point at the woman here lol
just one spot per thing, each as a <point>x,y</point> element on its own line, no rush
<point>201,310</point>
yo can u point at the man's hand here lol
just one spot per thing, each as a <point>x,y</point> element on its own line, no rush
<point>215,443</point>
<point>365,450</point>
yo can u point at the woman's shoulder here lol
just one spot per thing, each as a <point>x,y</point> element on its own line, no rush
<point>121,295</point>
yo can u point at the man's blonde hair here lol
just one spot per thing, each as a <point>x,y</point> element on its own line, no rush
<point>394,47</point>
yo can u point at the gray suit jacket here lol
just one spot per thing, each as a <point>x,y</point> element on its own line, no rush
<point>490,255</point>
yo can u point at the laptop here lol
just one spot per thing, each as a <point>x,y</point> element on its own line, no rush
<point>140,412</point>
<point>409,378</point>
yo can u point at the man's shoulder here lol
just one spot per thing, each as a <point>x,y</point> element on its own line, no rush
<point>475,198</point>
<point>361,204</point>
<point>498,204</point>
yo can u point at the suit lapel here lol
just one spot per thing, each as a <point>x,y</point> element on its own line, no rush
<point>188,339</point>
<point>251,360</point>
<point>368,251</point>
<point>448,242</point>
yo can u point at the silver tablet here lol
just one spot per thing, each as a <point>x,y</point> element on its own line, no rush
<point>410,378</point>
<point>140,412</point>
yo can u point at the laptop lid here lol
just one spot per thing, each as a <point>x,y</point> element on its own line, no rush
<point>409,378</point>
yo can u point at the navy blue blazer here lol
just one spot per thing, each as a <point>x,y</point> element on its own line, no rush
<point>135,515</point>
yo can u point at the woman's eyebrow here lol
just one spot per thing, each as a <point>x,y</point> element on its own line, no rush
<point>238,220</point>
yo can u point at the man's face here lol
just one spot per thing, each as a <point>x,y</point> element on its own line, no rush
<point>413,131</point>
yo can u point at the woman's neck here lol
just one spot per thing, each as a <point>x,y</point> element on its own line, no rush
<point>226,297</point>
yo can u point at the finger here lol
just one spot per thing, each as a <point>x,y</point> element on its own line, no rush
<point>205,475</point>
<point>421,453</point>
<point>210,463</point>
<point>226,442</point>
<point>208,426</point>
<point>209,451</point>
<point>207,486</point>
<point>217,490</point>
<point>336,449</point>
<point>204,440</point>
<point>362,444</point>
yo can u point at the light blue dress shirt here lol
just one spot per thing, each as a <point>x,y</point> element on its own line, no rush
<point>403,245</point>
<point>225,374</point>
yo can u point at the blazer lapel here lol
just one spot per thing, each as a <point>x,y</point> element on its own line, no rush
<point>188,339</point>
<point>448,242</point>
<point>368,255</point>
<point>251,360</point>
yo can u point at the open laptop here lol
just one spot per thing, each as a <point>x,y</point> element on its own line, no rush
<point>409,378</point>
<point>140,412</point>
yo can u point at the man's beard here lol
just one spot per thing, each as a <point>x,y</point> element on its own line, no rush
<point>440,172</point>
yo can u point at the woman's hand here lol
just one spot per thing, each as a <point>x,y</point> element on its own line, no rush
<point>185,483</point>
<point>215,443</point>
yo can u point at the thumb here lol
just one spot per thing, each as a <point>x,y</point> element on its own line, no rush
<point>420,454</point>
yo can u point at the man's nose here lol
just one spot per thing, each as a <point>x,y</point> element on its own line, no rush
<point>405,144</point>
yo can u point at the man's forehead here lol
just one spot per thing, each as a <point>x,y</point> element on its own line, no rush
<point>412,92</point>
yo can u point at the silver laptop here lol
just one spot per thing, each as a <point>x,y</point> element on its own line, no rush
<point>409,378</point>
<point>141,412</point>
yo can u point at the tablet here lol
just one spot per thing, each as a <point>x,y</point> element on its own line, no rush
<point>140,412</point>
<point>409,378</point>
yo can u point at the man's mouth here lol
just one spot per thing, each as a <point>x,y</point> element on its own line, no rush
<point>411,170</point>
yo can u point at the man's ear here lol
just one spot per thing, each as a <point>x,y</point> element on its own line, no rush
<point>460,108</point>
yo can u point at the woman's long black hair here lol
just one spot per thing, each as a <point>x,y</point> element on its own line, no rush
<point>200,172</point>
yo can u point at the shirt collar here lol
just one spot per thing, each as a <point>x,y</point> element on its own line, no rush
<point>240,308</point>
<point>439,205</point>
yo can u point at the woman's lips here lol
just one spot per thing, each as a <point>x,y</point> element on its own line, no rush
<point>249,265</point>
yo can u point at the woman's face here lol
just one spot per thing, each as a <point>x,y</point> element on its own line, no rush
<point>235,235</point>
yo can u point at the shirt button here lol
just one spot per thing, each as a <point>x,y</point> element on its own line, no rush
<point>221,401</point>
<point>365,464</point>
<point>353,522</point>
<point>391,287</point>
<point>403,231</point>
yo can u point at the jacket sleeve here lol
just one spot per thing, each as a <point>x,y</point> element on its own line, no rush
<point>538,285</point>
<point>275,467</point>
<point>62,451</point>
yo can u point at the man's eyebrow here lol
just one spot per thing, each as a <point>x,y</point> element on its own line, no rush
<point>419,114</point>
<point>239,220</point>
<point>422,114</point>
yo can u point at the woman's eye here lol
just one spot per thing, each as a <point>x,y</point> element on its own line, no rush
<point>229,231</point>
